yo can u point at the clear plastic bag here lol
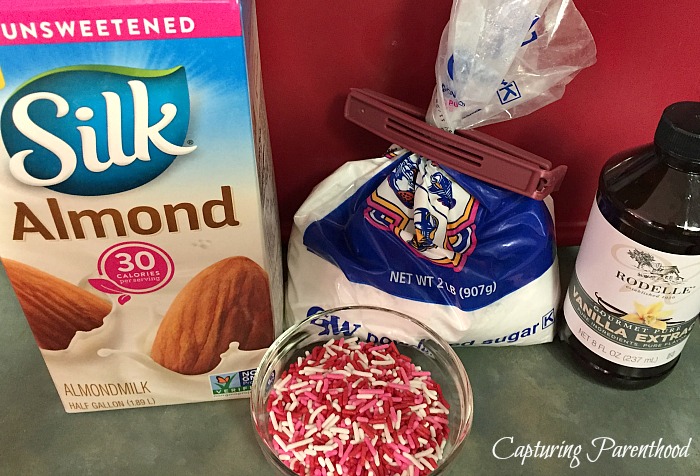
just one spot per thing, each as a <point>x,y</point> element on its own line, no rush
<point>501,59</point>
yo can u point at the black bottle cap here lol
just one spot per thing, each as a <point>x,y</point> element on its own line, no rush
<point>678,132</point>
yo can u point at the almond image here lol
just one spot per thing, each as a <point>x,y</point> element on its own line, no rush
<point>55,309</point>
<point>226,302</point>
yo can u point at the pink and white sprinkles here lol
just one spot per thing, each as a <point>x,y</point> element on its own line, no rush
<point>353,408</point>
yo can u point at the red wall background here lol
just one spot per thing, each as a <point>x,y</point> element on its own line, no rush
<point>314,51</point>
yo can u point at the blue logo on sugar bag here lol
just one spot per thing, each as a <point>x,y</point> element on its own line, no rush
<point>508,92</point>
<point>426,233</point>
<point>96,130</point>
<point>433,217</point>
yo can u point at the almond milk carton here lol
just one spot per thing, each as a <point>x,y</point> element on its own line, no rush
<point>138,218</point>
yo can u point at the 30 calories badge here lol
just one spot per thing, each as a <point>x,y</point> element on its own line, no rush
<point>133,267</point>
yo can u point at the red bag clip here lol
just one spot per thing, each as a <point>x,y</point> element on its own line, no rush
<point>468,151</point>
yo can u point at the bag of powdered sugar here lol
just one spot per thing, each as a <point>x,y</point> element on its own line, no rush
<point>475,262</point>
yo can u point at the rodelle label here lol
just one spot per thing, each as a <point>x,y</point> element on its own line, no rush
<point>632,305</point>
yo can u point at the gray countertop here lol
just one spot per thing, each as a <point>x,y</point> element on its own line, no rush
<point>530,394</point>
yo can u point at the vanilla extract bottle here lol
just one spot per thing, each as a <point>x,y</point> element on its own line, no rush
<point>634,296</point>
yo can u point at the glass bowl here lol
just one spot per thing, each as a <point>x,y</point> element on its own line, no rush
<point>375,325</point>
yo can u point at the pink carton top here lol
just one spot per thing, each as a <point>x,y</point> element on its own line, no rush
<point>71,21</point>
